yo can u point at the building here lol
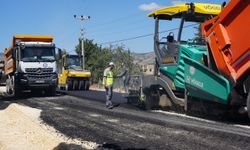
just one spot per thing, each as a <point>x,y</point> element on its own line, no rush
<point>148,69</point>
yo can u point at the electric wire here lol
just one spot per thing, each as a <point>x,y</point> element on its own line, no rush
<point>142,36</point>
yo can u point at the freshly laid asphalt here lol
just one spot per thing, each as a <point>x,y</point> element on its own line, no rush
<point>97,95</point>
<point>83,115</point>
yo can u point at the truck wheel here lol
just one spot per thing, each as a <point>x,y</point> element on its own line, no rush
<point>8,86</point>
<point>248,104</point>
<point>13,89</point>
<point>17,92</point>
<point>51,92</point>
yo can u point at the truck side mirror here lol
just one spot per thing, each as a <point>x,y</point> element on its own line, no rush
<point>60,53</point>
<point>66,67</point>
<point>13,53</point>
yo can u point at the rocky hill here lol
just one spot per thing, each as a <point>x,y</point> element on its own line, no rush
<point>1,56</point>
<point>144,58</point>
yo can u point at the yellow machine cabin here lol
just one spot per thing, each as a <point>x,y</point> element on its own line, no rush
<point>72,76</point>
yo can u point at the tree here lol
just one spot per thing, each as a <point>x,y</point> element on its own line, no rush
<point>198,35</point>
<point>123,60</point>
<point>97,59</point>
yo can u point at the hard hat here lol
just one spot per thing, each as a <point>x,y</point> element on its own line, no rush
<point>111,64</point>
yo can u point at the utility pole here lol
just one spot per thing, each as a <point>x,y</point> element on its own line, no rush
<point>82,18</point>
<point>129,63</point>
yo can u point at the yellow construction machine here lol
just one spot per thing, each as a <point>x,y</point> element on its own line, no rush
<point>72,76</point>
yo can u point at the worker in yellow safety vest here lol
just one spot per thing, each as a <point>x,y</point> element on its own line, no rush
<point>108,80</point>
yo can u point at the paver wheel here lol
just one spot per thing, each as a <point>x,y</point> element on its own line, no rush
<point>81,85</point>
<point>69,85</point>
<point>87,85</point>
<point>152,98</point>
<point>75,85</point>
<point>187,105</point>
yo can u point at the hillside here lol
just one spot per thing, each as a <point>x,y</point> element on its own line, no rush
<point>144,58</point>
<point>1,56</point>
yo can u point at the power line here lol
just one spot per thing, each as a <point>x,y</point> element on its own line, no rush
<point>142,36</point>
<point>117,27</point>
<point>108,23</point>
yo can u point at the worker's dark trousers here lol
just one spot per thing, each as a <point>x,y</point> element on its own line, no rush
<point>109,93</point>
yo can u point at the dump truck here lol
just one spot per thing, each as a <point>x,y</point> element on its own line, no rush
<point>2,76</point>
<point>208,75</point>
<point>228,58</point>
<point>72,75</point>
<point>30,64</point>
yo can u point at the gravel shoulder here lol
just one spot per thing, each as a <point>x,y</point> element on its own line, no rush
<point>22,128</point>
<point>18,128</point>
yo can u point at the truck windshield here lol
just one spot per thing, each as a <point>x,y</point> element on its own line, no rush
<point>74,61</point>
<point>38,54</point>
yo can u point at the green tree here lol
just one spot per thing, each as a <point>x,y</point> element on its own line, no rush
<point>97,59</point>
<point>124,60</point>
<point>198,35</point>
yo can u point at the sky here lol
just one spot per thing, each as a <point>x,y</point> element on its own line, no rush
<point>110,20</point>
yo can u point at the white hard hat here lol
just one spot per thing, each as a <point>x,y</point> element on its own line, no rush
<point>111,64</point>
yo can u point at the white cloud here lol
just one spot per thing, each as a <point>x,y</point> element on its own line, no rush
<point>149,7</point>
<point>177,2</point>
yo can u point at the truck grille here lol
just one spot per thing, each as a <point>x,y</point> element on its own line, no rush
<point>39,70</point>
<point>39,73</point>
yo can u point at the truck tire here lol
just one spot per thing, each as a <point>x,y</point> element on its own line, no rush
<point>17,92</point>
<point>12,88</point>
<point>51,91</point>
<point>8,86</point>
<point>248,104</point>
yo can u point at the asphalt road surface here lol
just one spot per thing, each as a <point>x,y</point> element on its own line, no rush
<point>84,116</point>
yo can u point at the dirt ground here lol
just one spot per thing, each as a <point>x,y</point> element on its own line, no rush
<point>21,128</point>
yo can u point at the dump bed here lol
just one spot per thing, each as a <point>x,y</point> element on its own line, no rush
<point>9,62</point>
<point>228,38</point>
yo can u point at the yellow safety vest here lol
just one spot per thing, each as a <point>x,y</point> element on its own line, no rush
<point>109,78</point>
